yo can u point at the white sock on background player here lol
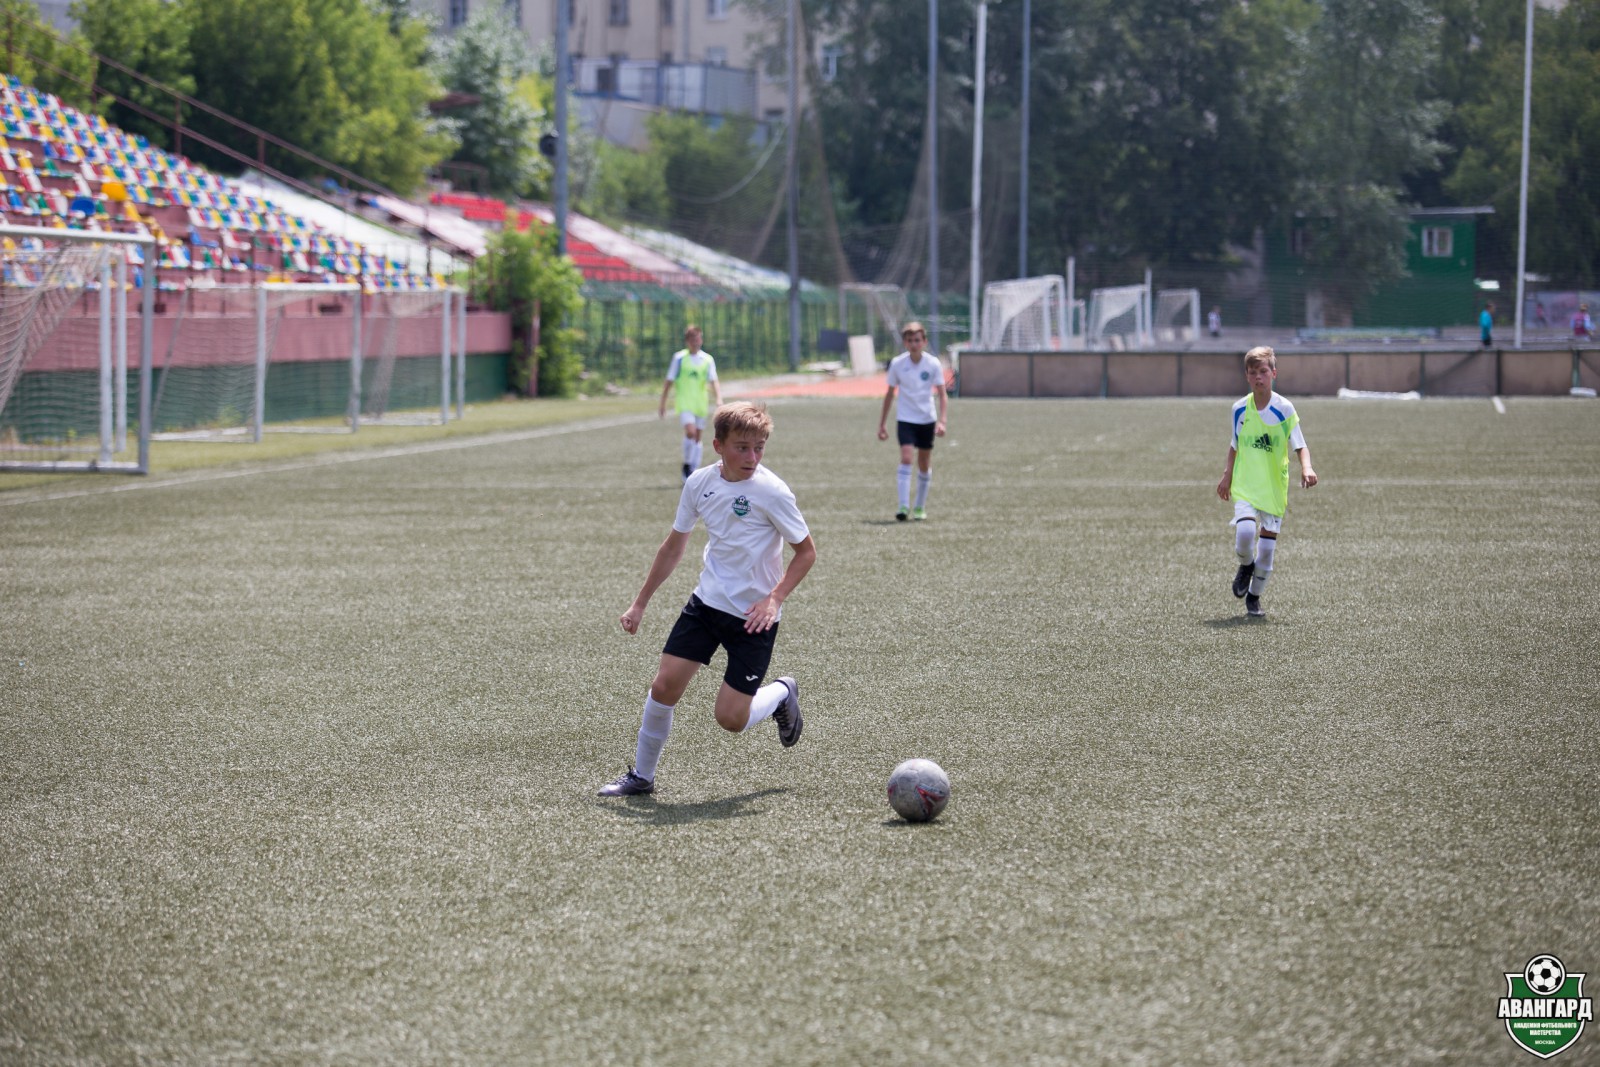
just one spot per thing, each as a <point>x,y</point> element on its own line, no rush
<point>1264,553</point>
<point>924,479</point>
<point>1244,541</point>
<point>902,482</point>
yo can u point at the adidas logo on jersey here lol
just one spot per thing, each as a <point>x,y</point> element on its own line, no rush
<point>1264,442</point>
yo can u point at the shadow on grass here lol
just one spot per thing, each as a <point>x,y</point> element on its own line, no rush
<point>1235,620</point>
<point>884,522</point>
<point>650,810</point>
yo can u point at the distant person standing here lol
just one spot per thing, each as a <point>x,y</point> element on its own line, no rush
<point>693,373</point>
<point>920,414</point>
<point>1214,322</point>
<point>1582,324</point>
<point>1486,325</point>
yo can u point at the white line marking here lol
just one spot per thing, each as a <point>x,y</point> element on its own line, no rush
<point>329,459</point>
<point>1499,405</point>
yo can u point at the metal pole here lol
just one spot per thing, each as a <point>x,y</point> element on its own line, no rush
<point>261,365</point>
<point>444,360</point>
<point>792,180</point>
<point>975,265</point>
<point>1522,195</point>
<point>461,356</point>
<point>352,412</point>
<point>147,344</point>
<point>1022,196</point>
<point>107,373</point>
<point>121,335</point>
<point>563,77</point>
<point>933,176</point>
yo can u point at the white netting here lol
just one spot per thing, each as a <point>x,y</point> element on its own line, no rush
<point>53,396</point>
<point>1176,318</point>
<point>402,379</point>
<point>1118,317</point>
<point>1025,315</point>
<point>879,310</point>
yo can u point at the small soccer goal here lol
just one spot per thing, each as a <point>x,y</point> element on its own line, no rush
<point>1177,316</point>
<point>1025,315</point>
<point>1119,317</point>
<point>64,299</point>
<point>879,310</point>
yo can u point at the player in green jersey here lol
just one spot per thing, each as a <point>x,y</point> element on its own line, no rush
<point>693,376</point>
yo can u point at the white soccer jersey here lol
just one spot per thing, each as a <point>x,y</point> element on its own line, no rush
<point>1278,410</point>
<point>748,523</point>
<point>916,383</point>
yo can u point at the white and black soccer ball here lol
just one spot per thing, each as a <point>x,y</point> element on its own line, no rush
<point>1545,975</point>
<point>918,790</point>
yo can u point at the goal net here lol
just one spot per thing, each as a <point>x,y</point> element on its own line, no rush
<point>1025,315</point>
<point>878,310</point>
<point>1119,317</point>
<point>1177,316</point>
<point>63,351</point>
<point>406,345</point>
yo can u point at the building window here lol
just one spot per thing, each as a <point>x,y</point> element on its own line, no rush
<point>717,9</point>
<point>1437,241</point>
<point>458,13</point>
<point>716,56</point>
<point>514,12</point>
<point>619,13</point>
<point>828,63</point>
<point>666,12</point>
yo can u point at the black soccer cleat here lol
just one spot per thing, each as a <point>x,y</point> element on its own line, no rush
<point>1253,608</point>
<point>1241,578</point>
<point>688,469</point>
<point>788,717</point>
<point>902,515</point>
<point>627,784</point>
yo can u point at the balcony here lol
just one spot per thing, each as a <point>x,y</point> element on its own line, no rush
<point>704,88</point>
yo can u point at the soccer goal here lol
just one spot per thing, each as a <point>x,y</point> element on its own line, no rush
<point>1177,316</point>
<point>63,350</point>
<point>1119,317</point>
<point>1025,315</point>
<point>393,384</point>
<point>879,310</point>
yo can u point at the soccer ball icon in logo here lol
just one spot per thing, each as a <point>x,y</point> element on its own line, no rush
<point>1545,975</point>
<point>918,790</point>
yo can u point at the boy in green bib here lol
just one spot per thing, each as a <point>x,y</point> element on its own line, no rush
<point>692,375</point>
<point>1265,430</point>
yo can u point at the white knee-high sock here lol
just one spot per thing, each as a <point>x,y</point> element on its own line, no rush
<point>688,450</point>
<point>766,701</point>
<point>652,736</point>
<point>1264,554</point>
<point>1244,541</point>
<point>902,483</point>
<point>924,479</point>
<point>696,452</point>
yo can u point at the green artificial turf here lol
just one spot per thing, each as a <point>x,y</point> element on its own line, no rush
<point>298,766</point>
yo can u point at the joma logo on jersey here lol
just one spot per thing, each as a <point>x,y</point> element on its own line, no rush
<point>1264,442</point>
<point>741,506</point>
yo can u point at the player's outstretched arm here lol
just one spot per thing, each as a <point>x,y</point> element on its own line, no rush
<point>667,559</point>
<point>763,613</point>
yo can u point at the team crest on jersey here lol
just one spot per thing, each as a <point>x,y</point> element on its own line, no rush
<point>741,506</point>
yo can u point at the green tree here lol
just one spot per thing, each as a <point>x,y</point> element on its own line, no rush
<point>543,293</point>
<point>489,59</point>
<point>1564,145</point>
<point>151,37</point>
<point>37,55</point>
<point>328,75</point>
<point>1363,123</point>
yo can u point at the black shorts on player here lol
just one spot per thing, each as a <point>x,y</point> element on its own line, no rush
<point>915,434</point>
<point>700,629</point>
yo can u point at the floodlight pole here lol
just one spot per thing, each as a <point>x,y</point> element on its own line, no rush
<point>1522,195</point>
<point>563,75</point>
<point>1022,195</point>
<point>933,176</point>
<point>792,184</point>
<point>975,265</point>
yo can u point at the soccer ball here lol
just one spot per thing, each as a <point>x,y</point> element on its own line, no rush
<point>918,790</point>
<point>1545,975</point>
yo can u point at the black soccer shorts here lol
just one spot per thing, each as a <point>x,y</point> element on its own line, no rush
<point>700,629</point>
<point>916,434</point>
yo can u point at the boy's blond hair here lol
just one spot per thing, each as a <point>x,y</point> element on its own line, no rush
<point>1261,354</point>
<point>741,417</point>
<point>913,327</point>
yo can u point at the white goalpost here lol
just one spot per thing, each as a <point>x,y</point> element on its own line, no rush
<point>63,350</point>
<point>1025,315</point>
<point>1119,317</point>
<point>1177,316</point>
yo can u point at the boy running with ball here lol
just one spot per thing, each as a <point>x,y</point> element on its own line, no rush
<point>749,514</point>
<point>1265,430</point>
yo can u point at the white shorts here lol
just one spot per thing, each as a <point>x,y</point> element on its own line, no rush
<point>1243,509</point>
<point>689,418</point>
